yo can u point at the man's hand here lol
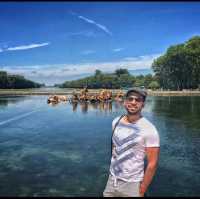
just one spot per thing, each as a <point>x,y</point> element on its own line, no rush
<point>142,189</point>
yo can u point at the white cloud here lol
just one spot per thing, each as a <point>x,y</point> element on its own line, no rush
<point>118,49</point>
<point>58,73</point>
<point>25,47</point>
<point>142,58</point>
<point>102,27</point>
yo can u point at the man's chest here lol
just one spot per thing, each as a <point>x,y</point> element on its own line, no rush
<point>124,134</point>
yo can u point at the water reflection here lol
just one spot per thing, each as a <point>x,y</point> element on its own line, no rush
<point>185,109</point>
<point>5,100</point>
<point>74,106</point>
<point>87,106</point>
<point>84,107</point>
<point>53,104</point>
<point>119,104</point>
<point>3,103</point>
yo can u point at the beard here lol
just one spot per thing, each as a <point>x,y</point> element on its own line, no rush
<point>133,110</point>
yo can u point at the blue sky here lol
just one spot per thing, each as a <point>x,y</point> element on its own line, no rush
<point>50,42</point>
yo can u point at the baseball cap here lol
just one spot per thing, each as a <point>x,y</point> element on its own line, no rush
<point>139,91</point>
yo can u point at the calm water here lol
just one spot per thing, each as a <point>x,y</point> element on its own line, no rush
<point>64,150</point>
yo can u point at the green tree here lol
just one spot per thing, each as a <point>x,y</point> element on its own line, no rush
<point>16,81</point>
<point>179,67</point>
<point>111,80</point>
<point>147,80</point>
<point>3,79</point>
<point>154,85</point>
<point>121,71</point>
<point>97,73</point>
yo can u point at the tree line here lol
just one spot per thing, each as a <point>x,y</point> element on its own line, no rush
<point>121,78</point>
<point>16,81</point>
<point>179,67</point>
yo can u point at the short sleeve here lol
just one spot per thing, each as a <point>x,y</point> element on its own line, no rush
<point>152,138</point>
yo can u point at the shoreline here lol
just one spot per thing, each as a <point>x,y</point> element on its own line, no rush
<point>13,92</point>
<point>173,93</point>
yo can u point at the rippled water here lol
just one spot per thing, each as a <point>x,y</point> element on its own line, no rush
<point>64,150</point>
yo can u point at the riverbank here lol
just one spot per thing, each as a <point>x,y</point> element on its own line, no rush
<point>174,93</point>
<point>45,91</point>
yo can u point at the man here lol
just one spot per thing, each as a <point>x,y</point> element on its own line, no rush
<point>134,138</point>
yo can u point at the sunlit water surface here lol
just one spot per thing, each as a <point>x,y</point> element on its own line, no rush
<point>64,149</point>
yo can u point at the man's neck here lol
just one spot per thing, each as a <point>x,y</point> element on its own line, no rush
<point>133,118</point>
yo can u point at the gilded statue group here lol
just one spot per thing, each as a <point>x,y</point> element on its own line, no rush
<point>103,95</point>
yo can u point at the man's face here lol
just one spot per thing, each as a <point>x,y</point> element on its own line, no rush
<point>134,103</point>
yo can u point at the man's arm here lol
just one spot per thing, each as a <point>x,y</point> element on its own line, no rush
<point>152,161</point>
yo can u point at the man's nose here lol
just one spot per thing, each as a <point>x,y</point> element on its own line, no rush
<point>133,101</point>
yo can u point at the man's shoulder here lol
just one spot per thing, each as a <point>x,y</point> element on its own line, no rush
<point>150,133</point>
<point>146,123</point>
<point>116,119</point>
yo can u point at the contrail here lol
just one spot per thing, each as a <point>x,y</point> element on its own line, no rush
<point>25,47</point>
<point>102,27</point>
<point>18,117</point>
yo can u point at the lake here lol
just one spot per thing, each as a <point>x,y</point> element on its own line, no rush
<point>64,149</point>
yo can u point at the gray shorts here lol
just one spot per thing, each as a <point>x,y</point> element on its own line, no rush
<point>121,188</point>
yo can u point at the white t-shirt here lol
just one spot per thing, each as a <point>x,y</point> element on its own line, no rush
<point>129,141</point>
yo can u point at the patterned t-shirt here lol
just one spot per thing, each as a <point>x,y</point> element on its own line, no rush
<point>129,141</point>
